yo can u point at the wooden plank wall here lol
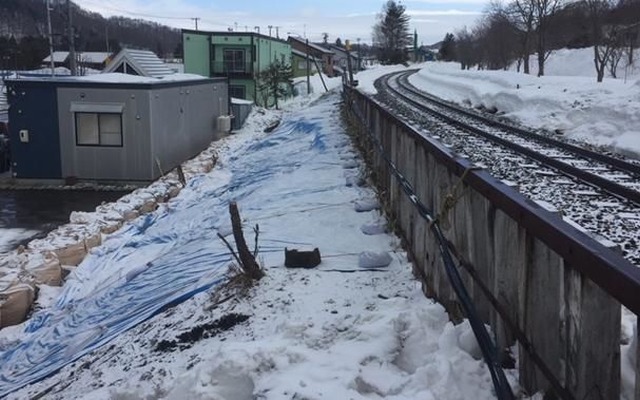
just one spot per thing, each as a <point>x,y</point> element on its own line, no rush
<point>572,324</point>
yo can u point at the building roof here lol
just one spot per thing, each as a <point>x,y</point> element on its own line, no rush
<point>93,57</point>
<point>143,62</point>
<point>311,45</point>
<point>114,81</point>
<point>341,51</point>
<point>233,33</point>
<point>302,54</point>
<point>58,56</point>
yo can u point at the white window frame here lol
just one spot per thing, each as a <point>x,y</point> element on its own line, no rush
<point>97,109</point>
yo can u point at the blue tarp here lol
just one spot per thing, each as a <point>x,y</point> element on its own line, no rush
<point>161,259</point>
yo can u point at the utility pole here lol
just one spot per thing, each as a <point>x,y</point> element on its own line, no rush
<point>72,47</point>
<point>195,19</point>
<point>270,27</point>
<point>358,65</point>
<point>308,69</point>
<point>277,32</point>
<point>106,36</point>
<point>50,37</point>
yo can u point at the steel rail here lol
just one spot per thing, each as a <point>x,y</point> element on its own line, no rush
<point>613,162</point>
<point>622,192</point>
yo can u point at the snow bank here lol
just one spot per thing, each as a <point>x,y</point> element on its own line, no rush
<point>606,113</point>
<point>336,331</point>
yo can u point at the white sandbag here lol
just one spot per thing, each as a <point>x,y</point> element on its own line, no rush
<point>174,191</point>
<point>72,254</point>
<point>372,259</point>
<point>350,164</point>
<point>111,227</point>
<point>15,304</point>
<point>92,241</point>
<point>45,268</point>
<point>364,205</point>
<point>354,177</point>
<point>374,228</point>
<point>148,206</point>
<point>130,215</point>
<point>81,217</point>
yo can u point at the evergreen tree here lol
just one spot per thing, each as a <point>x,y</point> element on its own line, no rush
<point>448,48</point>
<point>275,83</point>
<point>339,42</point>
<point>391,34</point>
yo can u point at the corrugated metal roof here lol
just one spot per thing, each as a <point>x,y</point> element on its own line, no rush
<point>144,62</point>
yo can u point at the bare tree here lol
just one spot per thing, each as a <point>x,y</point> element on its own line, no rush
<point>605,35</point>
<point>466,48</point>
<point>543,11</point>
<point>498,37</point>
<point>521,14</point>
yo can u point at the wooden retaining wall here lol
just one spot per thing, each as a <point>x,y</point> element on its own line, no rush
<point>537,281</point>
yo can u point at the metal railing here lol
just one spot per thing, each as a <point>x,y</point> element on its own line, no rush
<point>231,68</point>
<point>541,283</point>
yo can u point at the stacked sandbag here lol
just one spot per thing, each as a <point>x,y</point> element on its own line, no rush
<point>15,303</point>
<point>43,268</point>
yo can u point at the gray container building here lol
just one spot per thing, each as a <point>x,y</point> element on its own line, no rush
<point>111,127</point>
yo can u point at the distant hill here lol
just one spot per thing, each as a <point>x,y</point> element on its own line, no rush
<point>23,32</point>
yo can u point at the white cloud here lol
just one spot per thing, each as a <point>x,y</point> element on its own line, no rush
<point>430,24</point>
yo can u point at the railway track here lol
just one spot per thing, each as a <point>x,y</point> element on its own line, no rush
<point>599,192</point>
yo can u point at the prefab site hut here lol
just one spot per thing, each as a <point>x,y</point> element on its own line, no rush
<point>111,127</point>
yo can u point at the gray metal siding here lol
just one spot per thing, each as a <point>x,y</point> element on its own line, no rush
<point>132,161</point>
<point>183,121</point>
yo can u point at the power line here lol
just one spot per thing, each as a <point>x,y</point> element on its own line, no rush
<point>137,14</point>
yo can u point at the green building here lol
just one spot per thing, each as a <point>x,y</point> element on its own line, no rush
<point>239,56</point>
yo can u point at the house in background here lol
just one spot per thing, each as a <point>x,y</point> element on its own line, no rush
<point>299,63</point>
<point>88,59</point>
<point>238,56</point>
<point>111,127</point>
<point>319,52</point>
<point>340,63</point>
<point>138,62</point>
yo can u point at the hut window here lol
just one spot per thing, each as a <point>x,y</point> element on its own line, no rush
<point>98,129</point>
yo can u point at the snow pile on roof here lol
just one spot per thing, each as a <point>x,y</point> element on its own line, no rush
<point>116,77</point>
<point>58,56</point>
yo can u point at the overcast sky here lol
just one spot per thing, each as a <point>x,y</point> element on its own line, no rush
<point>346,19</point>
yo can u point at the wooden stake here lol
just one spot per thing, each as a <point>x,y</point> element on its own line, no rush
<point>249,264</point>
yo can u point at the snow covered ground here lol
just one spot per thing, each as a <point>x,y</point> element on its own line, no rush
<point>148,315</point>
<point>336,331</point>
<point>568,100</point>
